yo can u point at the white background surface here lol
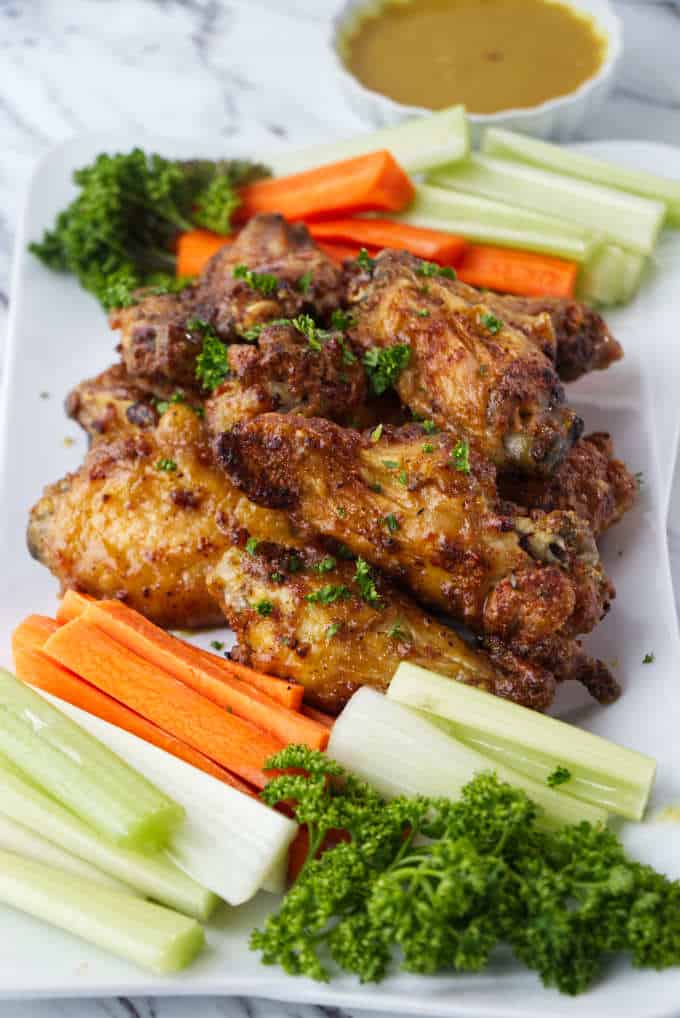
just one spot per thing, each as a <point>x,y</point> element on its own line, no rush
<point>207,68</point>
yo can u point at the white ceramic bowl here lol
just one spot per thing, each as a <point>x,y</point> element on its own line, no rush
<point>559,118</point>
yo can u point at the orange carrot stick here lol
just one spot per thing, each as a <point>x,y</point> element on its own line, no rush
<point>150,691</point>
<point>318,715</point>
<point>368,182</point>
<point>36,668</point>
<point>193,667</point>
<point>518,272</point>
<point>72,604</point>
<point>340,252</point>
<point>432,245</point>
<point>195,248</point>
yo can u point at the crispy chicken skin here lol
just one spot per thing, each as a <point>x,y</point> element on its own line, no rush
<point>122,526</point>
<point>282,372</point>
<point>468,371</point>
<point>407,504</point>
<point>333,648</point>
<point>156,338</point>
<point>113,404</point>
<point>591,482</point>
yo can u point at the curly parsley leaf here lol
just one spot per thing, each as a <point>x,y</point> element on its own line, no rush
<point>264,282</point>
<point>384,365</point>
<point>366,584</point>
<point>460,456</point>
<point>212,363</point>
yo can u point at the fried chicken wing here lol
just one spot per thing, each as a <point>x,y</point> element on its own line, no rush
<point>468,370</point>
<point>425,510</point>
<point>145,518</point>
<point>312,624</point>
<point>157,338</point>
<point>284,372</point>
<point>591,482</point>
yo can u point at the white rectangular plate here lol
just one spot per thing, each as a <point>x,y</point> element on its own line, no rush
<point>58,335</point>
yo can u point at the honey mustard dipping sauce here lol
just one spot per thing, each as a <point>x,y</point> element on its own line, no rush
<point>490,55</point>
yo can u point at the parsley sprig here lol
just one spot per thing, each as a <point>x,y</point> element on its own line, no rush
<point>264,282</point>
<point>212,363</point>
<point>385,364</point>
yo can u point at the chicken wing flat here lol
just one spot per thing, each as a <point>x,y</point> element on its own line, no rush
<point>113,404</point>
<point>468,370</point>
<point>424,508</point>
<point>312,623</point>
<point>145,518</point>
<point>158,339</point>
<point>284,373</point>
<point>591,482</point>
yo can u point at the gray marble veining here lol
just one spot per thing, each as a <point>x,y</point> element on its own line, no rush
<point>208,67</point>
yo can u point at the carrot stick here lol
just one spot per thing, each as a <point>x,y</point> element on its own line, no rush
<point>72,605</point>
<point>519,272</point>
<point>194,667</point>
<point>432,245</point>
<point>195,248</point>
<point>288,694</point>
<point>36,668</point>
<point>148,690</point>
<point>368,182</point>
<point>318,715</point>
<point>340,252</point>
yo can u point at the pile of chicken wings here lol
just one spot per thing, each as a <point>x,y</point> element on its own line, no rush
<point>441,508</point>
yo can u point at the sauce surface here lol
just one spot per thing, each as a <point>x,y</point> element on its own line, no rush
<point>488,54</point>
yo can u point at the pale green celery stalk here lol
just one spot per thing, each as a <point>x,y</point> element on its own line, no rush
<point>602,772</point>
<point>417,145</point>
<point>508,145</point>
<point>400,753</point>
<point>229,841</point>
<point>633,271</point>
<point>622,218</point>
<point>152,875</point>
<point>16,838</point>
<point>486,221</point>
<point>80,772</point>
<point>152,937</point>
<point>603,280</point>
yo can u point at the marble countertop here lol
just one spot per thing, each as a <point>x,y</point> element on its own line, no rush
<point>200,67</point>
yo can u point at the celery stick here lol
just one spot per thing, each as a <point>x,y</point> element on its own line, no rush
<point>230,842</point>
<point>400,753</point>
<point>622,218</point>
<point>80,772</point>
<point>417,145</point>
<point>602,772</point>
<point>602,281</point>
<point>508,145</point>
<point>16,838</point>
<point>486,221</point>
<point>150,936</point>
<point>152,875</point>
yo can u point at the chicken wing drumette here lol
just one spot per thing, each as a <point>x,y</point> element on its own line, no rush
<point>467,369</point>
<point>334,626</point>
<point>424,508</point>
<point>160,337</point>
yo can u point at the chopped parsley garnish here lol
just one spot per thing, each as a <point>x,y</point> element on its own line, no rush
<point>432,269</point>
<point>364,581</point>
<point>341,320</point>
<point>326,565</point>
<point>264,282</point>
<point>558,777</point>
<point>390,464</point>
<point>212,363</point>
<point>276,577</point>
<point>385,364</point>
<point>263,607</point>
<point>341,511</point>
<point>423,313</point>
<point>217,645</point>
<point>333,630</point>
<point>460,456</point>
<point>255,331</point>
<point>376,434</point>
<point>305,281</point>
<point>377,488</point>
<point>329,594</point>
<point>364,260</point>
<point>490,322</point>
<point>294,564</point>
<point>428,447</point>
<point>166,464</point>
<point>402,477</point>
<point>483,369</point>
<point>391,522</point>
<point>251,545</point>
<point>342,551</point>
<point>348,355</point>
<point>397,632</point>
<point>429,427</point>
<point>162,405</point>
<point>648,659</point>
